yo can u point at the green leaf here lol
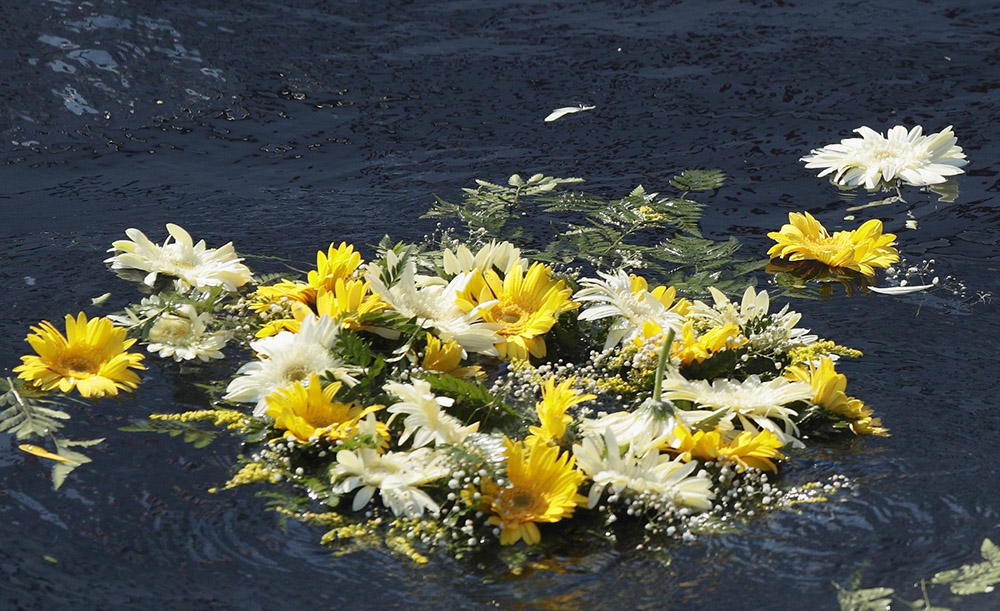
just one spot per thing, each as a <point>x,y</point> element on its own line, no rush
<point>975,578</point>
<point>699,180</point>
<point>72,458</point>
<point>26,416</point>
<point>871,599</point>
<point>198,437</point>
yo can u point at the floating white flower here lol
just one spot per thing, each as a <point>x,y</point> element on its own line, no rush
<point>877,161</point>
<point>644,471</point>
<point>192,265</point>
<point>753,402</point>
<point>183,337</point>
<point>434,306</point>
<point>425,418</point>
<point>630,428</point>
<point>285,358</point>
<point>396,475</point>
<point>627,298</point>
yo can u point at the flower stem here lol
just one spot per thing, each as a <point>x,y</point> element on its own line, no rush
<point>662,365</point>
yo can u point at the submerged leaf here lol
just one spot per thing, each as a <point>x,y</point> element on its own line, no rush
<point>975,578</point>
<point>699,180</point>
<point>870,599</point>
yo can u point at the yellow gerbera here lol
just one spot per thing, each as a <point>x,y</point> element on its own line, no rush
<point>543,488</point>
<point>527,306</point>
<point>447,358</point>
<point>286,290</point>
<point>803,238</point>
<point>91,357</point>
<point>308,411</point>
<point>829,391</point>
<point>691,347</point>
<point>335,264</point>
<point>551,410</point>
<point>753,450</point>
<point>349,299</point>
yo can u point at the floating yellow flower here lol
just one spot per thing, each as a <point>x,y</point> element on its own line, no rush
<point>526,306</point>
<point>552,408</point>
<point>543,488</point>
<point>803,238</point>
<point>753,450</point>
<point>309,411</point>
<point>91,358</point>
<point>691,347</point>
<point>829,391</point>
<point>447,358</point>
<point>335,264</point>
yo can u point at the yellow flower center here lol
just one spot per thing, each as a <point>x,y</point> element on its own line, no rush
<point>520,504</point>
<point>297,372</point>
<point>512,313</point>
<point>79,364</point>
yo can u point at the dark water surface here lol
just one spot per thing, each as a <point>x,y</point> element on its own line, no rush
<point>287,125</point>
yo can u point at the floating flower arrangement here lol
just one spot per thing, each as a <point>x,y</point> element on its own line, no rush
<point>465,393</point>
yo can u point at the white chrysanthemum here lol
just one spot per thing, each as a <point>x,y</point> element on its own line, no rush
<point>640,472</point>
<point>765,333</point>
<point>183,337</point>
<point>630,427</point>
<point>396,475</point>
<point>434,307</point>
<point>192,265</point>
<point>877,161</point>
<point>425,418</point>
<point>614,296</point>
<point>286,358</point>
<point>500,255</point>
<point>752,402</point>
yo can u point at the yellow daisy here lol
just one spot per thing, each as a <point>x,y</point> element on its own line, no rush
<point>552,408</point>
<point>309,411</point>
<point>348,299</point>
<point>829,392</point>
<point>447,358</point>
<point>691,347</point>
<point>543,488</point>
<point>526,306</point>
<point>753,450</point>
<point>335,264</point>
<point>803,238</point>
<point>91,358</point>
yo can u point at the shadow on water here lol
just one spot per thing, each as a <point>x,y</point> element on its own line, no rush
<point>284,126</point>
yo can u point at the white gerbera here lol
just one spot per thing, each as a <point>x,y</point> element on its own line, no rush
<point>183,337</point>
<point>877,161</point>
<point>616,296</point>
<point>500,255</point>
<point>192,265</point>
<point>396,475</point>
<point>286,358</point>
<point>425,418</point>
<point>434,306</point>
<point>630,428</point>
<point>640,472</point>
<point>765,333</point>
<point>752,402</point>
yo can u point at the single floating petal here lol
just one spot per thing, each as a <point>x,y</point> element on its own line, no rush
<point>567,110</point>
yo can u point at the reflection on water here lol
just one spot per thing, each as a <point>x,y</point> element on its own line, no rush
<point>286,125</point>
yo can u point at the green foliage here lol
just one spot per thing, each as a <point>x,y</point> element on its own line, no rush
<point>870,599</point>
<point>71,459</point>
<point>605,233</point>
<point>472,400</point>
<point>974,578</point>
<point>25,415</point>
<point>190,431</point>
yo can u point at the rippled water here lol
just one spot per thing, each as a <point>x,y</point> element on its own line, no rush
<point>286,125</point>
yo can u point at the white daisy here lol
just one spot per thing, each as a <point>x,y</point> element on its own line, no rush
<point>501,255</point>
<point>285,358</point>
<point>616,296</point>
<point>425,418</point>
<point>434,307</point>
<point>877,161</point>
<point>192,265</point>
<point>752,402</point>
<point>183,337</point>
<point>629,428</point>
<point>640,472</point>
<point>396,475</point>
<point>765,333</point>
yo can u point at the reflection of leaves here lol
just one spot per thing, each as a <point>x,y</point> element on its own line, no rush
<point>870,599</point>
<point>974,578</point>
<point>26,416</point>
<point>192,434</point>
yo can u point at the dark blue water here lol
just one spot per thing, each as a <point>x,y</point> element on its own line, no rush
<point>287,125</point>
